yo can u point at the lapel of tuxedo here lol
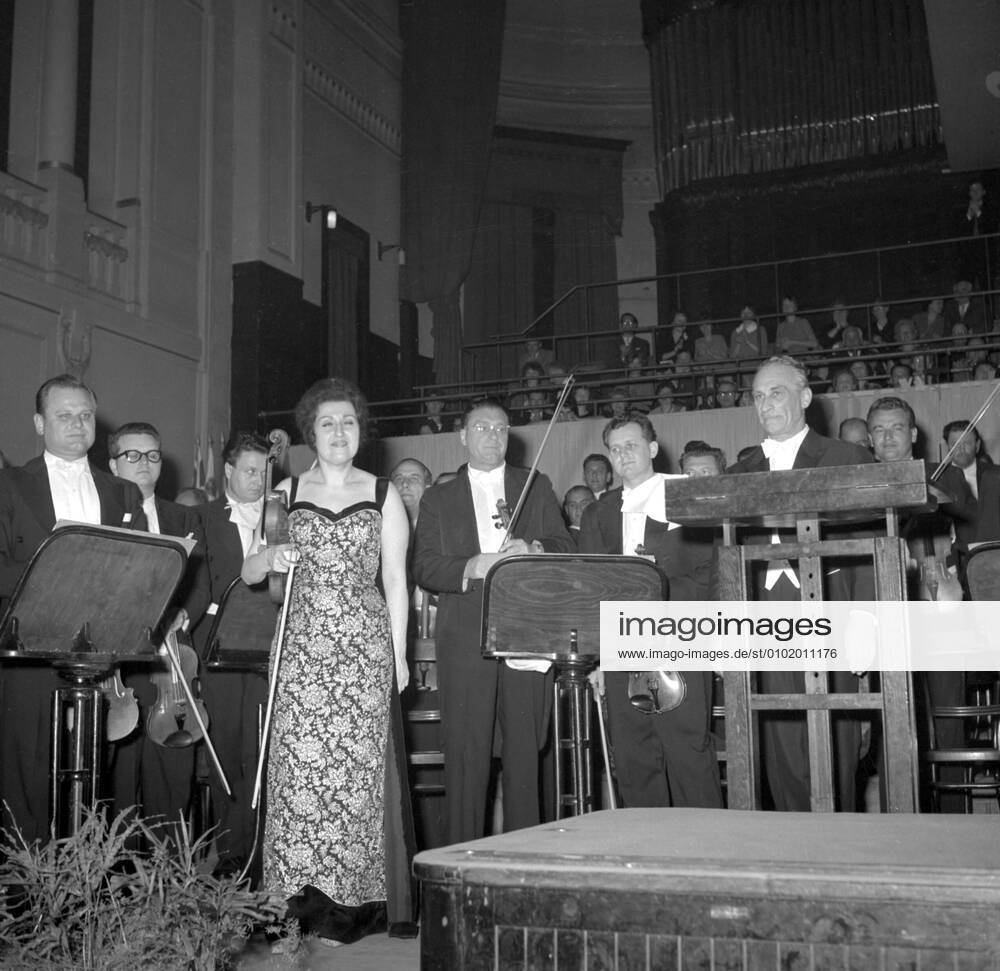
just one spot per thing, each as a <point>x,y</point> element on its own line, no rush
<point>465,513</point>
<point>612,514</point>
<point>111,506</point>
<point>37,493</point>
<point>810,452</point>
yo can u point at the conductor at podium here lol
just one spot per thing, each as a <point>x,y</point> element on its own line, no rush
<point>781,395</point>
<point>59,484</point>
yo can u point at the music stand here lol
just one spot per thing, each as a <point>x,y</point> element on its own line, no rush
<point>90,597</point>
<point>549,606</point>
<point>242,630</point>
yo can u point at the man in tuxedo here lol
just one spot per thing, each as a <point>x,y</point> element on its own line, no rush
<point>157,777</point>
<point>59,484</point>
<point>412,479</point>
<point>575,501</point>
<point>964,310</point>
<point>597,474</point>
<point>460,535</point>
<point>781,395</point>
<point>233,698</point>
<point>665,759</point>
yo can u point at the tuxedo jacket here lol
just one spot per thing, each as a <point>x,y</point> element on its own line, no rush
<point>683,554</point>
<point>223,549</point>
<point>177,520</point>
<point>816,452</point>
<point>27,514</point>
<point>447,538</point>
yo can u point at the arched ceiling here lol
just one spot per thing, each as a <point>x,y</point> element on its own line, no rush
<point>575,66</point>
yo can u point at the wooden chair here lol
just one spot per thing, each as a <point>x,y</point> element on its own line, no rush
<point>979,763</point>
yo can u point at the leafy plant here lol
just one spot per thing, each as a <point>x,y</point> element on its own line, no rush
<point>91,901</point>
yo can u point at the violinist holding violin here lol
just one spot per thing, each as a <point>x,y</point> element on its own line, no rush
<point>337,665</point>
<point>460,534</point>
<point>145,771</point>
<point>233,698</point>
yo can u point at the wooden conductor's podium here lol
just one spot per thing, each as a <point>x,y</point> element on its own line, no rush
<point>863,498</point>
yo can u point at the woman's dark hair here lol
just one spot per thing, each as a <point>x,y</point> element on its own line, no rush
<point>330,389</point>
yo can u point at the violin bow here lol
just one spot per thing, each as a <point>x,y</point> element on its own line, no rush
<point>170,646</point>
<point>563,396</point>
<point>966,432</point>
<point>272,689</point>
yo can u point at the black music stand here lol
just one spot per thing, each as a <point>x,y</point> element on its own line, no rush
<point>242,630</point>
<point>549,606</point>
<point>90,597</point>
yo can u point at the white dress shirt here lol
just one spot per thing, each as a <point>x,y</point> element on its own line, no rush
<point>781,458</point>
<point>74,494</point>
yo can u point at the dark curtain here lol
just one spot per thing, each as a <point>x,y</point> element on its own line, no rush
<point>585,253</point>
<point>343,268</point>
<point>773,84</point>
<point>451,75</point>
<point>499,288</point>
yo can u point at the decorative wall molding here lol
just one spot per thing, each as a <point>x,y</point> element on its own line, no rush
<point>23,212</point>
<point>282,23</point>
<point>352,106</point>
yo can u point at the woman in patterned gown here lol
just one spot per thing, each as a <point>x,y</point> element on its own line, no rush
<point>324,844</point>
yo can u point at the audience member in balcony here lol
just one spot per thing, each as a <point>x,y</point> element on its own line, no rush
<point>726,393</point>
<point>977,219</point>
<point>597,473</point>
<point>795,334</point>
<point>683,381</point>
<point>855,431</point>
<point>579,402</point>
<point>618,403</point>
<point>843,382</point>
<point>833,336</point>
<point>905,334</point>
<point>680,338</point>
<point>985,371</point>
<point>631,349</point>
<point>881,329</point>
<point>577,499</point>
<point>532,377</point>
<point>749,339</point>
<point>976,352</point>
<point>862,374</point>
<point>432,421</point>
<point>746,398</point>
<point>852,340</point>
<point>701,459</point>
<point>534,353</point>
<point>641,388</point>
<point>962,309</point>
<point>537,408</point>
<point>666,403</point>
<point>705,399</point>
<point>710,348</point>
<point>930,323</point>
<point>901,376</point>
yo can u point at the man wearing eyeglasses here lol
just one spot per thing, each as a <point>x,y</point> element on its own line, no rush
<point>59,484</point>
<point>460,535</point>
<point>231,523</point>
<point>155,777</point>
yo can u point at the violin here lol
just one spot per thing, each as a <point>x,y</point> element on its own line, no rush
<point>275,519</point>
<point>123,709</point>
<point>170,722</point>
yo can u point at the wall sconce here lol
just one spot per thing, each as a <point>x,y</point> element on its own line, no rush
<point>329,214</point>
<point>384,248</point>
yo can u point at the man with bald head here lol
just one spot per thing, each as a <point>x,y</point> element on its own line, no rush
<point>781,395</point>
<point>855,431</point>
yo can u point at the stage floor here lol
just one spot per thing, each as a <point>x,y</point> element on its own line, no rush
<point>718,889</point>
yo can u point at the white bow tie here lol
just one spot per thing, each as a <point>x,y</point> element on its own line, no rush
<point>491,477</point>
<point>246,513</point>
<point>784,452</point>
<point>75,468</point>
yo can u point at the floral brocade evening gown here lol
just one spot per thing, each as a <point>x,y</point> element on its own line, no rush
<point>326,766</point>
